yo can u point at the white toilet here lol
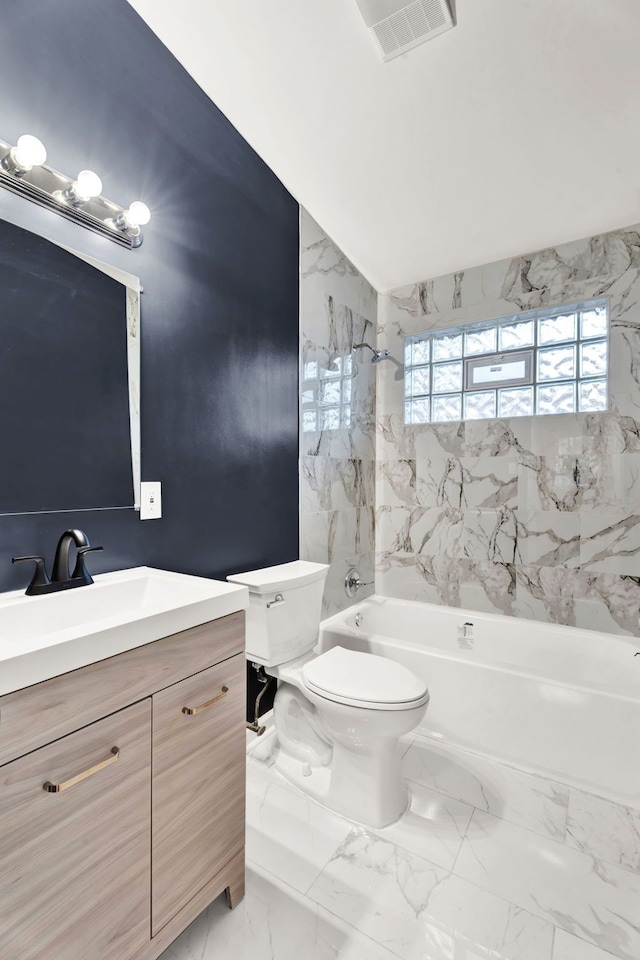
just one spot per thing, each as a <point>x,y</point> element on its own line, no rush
<point>338,715</point>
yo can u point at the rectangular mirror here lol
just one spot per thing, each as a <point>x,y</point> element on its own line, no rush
<point>69,379</point>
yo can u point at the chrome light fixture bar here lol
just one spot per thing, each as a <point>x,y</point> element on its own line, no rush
<point>23,171</point>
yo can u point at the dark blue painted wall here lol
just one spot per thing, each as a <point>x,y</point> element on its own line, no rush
<point>219,266</point>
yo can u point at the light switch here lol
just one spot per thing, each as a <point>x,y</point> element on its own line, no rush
<point>150,501</point>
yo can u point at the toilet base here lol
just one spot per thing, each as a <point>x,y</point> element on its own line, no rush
<point>373,794</point>
<point>369,787</point>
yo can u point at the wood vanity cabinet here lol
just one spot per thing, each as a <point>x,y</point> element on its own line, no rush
<point>122,799</point>
<point>72,862</point>
<point>198,784</point>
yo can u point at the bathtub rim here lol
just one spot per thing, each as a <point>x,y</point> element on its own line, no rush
<point>629,691</point>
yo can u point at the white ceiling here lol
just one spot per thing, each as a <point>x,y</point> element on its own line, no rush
<point>516,130</point>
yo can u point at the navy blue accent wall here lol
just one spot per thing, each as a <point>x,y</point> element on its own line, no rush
<point>219,266</point>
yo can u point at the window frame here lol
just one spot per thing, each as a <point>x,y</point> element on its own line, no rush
<point>531,352</point>
<point>316,375</point>
<point>498,359</point>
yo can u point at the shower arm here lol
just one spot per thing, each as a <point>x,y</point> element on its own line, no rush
<point>356,346</point>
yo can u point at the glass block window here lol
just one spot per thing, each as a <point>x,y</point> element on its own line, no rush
<point>326,394</point>
<point>542,362</point>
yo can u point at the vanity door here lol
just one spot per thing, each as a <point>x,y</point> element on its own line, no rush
<point>74,844</point>
<point>198,783</point>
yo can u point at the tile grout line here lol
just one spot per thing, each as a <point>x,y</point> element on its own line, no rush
<point>329,859</point>
<point>378,943</point>
<point>462,839</point>
<point>298,895</point>
<point>589,943</point>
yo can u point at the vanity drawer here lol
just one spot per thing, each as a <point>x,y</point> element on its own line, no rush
<point>36,715</point>
<point>198,784</point>
<point>74,863</point>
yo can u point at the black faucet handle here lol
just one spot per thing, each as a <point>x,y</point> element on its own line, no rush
<point>80,571</point>
<point>40,577</point>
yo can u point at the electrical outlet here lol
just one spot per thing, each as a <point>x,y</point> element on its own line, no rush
<point>150,501</point>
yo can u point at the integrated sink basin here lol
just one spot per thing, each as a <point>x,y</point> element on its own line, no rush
<point>42,637</point>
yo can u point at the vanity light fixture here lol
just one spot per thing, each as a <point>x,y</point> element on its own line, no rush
<point>23,171</point>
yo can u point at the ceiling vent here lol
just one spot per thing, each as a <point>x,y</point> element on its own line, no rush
<point>400,26</point>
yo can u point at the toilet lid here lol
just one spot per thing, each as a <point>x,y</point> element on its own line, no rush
<point>364,679</point>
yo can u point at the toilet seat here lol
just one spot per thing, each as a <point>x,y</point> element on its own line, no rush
<point>364,680</point>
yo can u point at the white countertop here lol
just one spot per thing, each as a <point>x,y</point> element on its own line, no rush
<point>43,637</point>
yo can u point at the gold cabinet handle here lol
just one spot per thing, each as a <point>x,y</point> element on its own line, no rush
<point>190,711</point>
<point>59,787</point>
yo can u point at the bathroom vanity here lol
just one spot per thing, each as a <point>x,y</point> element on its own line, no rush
<point>122,780</point>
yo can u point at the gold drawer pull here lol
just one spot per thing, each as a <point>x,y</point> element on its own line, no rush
<point>205,706</point>
<point>59,787</point>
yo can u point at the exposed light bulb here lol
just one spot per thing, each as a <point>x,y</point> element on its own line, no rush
<point>137,215</point>
<point>29,152</point>
<point>87,185</point>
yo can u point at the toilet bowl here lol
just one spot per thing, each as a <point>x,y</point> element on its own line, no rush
<point>363,705</point>
<point>338,715</point>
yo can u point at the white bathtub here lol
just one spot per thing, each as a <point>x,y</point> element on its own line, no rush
<point>553,700</point>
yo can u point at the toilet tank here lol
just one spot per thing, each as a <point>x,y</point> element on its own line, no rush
<point>285,602</point>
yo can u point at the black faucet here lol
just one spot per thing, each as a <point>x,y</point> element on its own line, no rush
<point>61,579</point>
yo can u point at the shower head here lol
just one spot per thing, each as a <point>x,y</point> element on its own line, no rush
<point>378,355</point>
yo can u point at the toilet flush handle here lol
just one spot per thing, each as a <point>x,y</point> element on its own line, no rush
<point>278,599</point>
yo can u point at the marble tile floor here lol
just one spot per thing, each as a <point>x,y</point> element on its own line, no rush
<point>489,863</point>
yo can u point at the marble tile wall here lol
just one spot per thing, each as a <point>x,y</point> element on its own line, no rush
<point>532,517</point>
<point>337,465</point>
